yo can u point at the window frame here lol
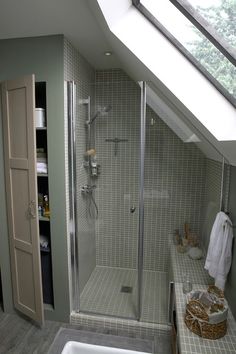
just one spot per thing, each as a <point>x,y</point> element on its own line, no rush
<point>206,29</point>
<point>151,18</point>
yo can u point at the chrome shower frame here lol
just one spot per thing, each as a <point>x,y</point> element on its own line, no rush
<point>71,96</point>
<point>141,196</point>
<point>73,190</point>
<point>73,225</point>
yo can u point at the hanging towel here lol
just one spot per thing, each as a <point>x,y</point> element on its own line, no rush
<point>219,254</point>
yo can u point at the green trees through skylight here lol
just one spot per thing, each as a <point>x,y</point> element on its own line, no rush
<point>222,16</point>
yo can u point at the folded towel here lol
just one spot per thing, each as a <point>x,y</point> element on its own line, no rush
<point>41,155</point>
<point>42,167</point>
<point>42,159</point>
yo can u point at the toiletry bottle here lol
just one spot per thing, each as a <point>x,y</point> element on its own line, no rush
<point>46,206</point>
<point>40,210</point>
<point>187,284</point>
<point>94,166</point>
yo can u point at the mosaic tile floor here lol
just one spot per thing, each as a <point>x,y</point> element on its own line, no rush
<point>102,294</point>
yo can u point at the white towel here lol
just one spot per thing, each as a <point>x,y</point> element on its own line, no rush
<point>219,254</point>
<point>42,167</point>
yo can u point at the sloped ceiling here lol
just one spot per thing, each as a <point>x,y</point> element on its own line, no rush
<point>84,24</point>
<point>138,71</point>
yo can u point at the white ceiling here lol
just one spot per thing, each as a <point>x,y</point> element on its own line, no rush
<point>73,18</point>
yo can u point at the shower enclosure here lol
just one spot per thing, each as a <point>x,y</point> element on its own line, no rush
<point>108,205</point>
<point>133,181</point>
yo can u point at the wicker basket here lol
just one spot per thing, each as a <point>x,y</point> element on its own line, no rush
<point>214,290</point>
<point>197,320</point>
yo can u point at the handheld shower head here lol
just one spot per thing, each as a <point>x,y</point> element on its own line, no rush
<point>101,112</point>
<point>105,109</point>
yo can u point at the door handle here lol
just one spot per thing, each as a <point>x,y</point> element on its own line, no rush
<point>132,209</point>
<point>171,301</point>
<point>32,209</point>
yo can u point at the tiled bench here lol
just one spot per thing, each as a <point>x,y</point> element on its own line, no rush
<point>188,342</point>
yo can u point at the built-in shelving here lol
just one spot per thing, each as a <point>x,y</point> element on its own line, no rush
<point>48,307</point>
<point>46,250</point>
<point>41,128</point>
<point>43,218</point>
<point>43,189</point>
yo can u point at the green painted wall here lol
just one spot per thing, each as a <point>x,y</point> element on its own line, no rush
<point>231,281</point>
<point>42,56</point>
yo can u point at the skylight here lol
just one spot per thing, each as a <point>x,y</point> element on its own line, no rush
<point>176,79</point>
<point>221,15</point>
<point>191,41</point>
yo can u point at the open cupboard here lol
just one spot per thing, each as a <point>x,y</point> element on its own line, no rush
<point>42,56</point>
<point>28,225</point>
<point>43,193</point>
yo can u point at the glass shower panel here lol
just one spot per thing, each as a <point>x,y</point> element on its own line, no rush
<point>156,219</point>
<point>183,183</point>
<point>108,195</point>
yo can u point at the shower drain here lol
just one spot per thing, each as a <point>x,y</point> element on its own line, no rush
<point>126,289</point>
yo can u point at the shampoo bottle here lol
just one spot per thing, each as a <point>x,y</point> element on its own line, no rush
<point>46,207</point>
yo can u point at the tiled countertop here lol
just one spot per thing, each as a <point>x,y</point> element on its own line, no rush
<point>190,343</point>
<point>181,263</point>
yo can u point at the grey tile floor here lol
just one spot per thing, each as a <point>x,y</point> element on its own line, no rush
<point>102,294</point>
<point>20,336</point>
<point>135,344</point>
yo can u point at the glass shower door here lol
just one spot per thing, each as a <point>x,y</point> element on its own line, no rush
<point>108,187</point>
<point>184,188</point>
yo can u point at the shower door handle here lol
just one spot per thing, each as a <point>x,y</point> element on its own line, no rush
<point>171,301</point>
<point>132,209</point>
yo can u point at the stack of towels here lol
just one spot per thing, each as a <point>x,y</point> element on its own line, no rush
<point>42,164</point>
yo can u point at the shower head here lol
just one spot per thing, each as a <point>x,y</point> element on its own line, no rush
<point>101,112</point>
<point>104,109</point>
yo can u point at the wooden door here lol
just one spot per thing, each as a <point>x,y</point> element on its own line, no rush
<point>21,189</point>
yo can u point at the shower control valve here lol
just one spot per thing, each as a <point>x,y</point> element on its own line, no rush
<point>87,188</point>
<point>84,189</point>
